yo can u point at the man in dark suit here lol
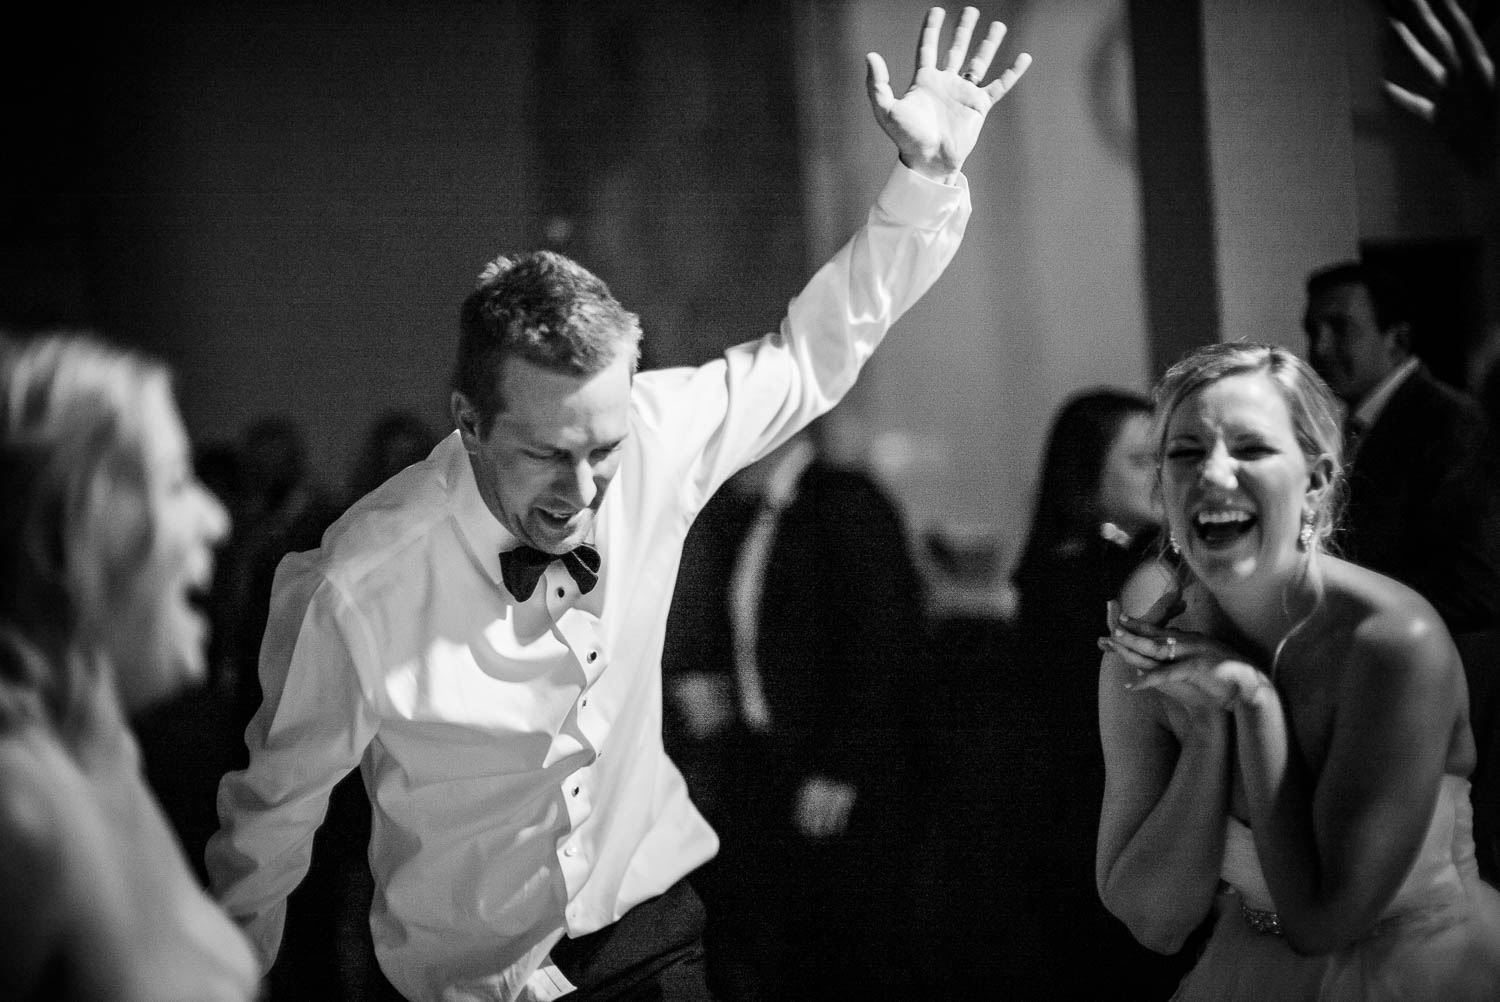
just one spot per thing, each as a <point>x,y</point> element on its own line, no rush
<point>823,662</point>
<point>1422,489</point>
<point>838,646</point>
<point>1424,498</point>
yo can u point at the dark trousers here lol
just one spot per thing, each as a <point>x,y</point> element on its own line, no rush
<point>654,952</point>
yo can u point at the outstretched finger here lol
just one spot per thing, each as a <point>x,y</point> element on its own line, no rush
<point>927,42</point>
<point>1430,64</point>
<point>979,62</point>
<point>1141,627</point>
<point>1438,36</point>
<point>1001,85</point>
<point>1414,103</point>
<point>1470,47</point>
<point>959,47</point>
<point>878,82</point>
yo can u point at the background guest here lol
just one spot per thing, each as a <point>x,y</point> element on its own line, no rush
<point>395,440</point>
<point>1460,99</point>
<point>1422,491</point>
<point>279,508</point>
<point>1096,518</point>
<point>806,739</point>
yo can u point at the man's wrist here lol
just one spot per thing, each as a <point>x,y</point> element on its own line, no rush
<point>942,174</point>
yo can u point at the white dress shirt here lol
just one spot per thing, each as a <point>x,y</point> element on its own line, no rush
<point>512,751</point>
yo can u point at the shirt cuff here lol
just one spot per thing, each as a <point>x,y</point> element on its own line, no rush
<point>916,199</point>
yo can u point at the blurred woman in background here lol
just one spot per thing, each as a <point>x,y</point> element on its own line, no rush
<point>394,441</point>
<point>106,546</point>
<point>1096,519</point>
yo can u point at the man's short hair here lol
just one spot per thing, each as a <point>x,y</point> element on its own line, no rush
<point>1387,293</point>
<point>547,309</point>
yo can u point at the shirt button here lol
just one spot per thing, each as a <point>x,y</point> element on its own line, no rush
<point>585,701</point>
<point>575,791</point>
<point>593,656</point>
<point>560,593</point>
<point>570,851</point>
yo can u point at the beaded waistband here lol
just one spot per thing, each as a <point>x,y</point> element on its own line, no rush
<point>1261,920</point>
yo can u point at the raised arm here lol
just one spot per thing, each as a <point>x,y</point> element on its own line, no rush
<point>936,123</point>
<point>763,392</point>
<point>1166,792</point>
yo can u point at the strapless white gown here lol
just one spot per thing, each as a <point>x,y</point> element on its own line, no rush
<point>1439,939</point>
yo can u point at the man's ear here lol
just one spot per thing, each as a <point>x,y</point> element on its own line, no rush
<point>466,418</point>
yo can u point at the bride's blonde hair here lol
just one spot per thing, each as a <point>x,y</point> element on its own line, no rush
<point>1313,409</point>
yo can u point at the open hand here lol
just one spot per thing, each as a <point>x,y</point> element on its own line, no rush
<point>1464,104</point>
<point>936,123</point>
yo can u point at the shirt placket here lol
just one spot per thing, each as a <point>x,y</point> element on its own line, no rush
<point>579,632</point>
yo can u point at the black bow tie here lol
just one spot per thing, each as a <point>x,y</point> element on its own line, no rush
<point>522,568</point>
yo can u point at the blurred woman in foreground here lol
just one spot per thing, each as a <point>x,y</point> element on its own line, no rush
<point>1286,721</point>
<point>105,544</point>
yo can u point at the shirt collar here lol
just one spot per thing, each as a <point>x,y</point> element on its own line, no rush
<point>484,533</point>
<point>1374,402</point>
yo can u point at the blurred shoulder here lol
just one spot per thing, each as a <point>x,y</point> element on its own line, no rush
<point>42,807</point>
<point>1427,402</point>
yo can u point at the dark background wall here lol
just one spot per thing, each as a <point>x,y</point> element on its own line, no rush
<point>288,202</point>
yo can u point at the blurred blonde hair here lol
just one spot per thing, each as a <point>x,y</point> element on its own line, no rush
<point>75,506</point>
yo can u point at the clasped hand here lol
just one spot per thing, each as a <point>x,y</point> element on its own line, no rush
<point>936,123</point>
<point>1197,671</point>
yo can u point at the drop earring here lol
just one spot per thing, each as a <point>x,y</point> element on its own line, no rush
<point>1172,543</point>
<point>1305,535</point>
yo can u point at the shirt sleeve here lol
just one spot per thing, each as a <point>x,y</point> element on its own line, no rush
<point>725,415</point>
<point>312,728</point>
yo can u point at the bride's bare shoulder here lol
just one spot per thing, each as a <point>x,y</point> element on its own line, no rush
<point>1391,634</point>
